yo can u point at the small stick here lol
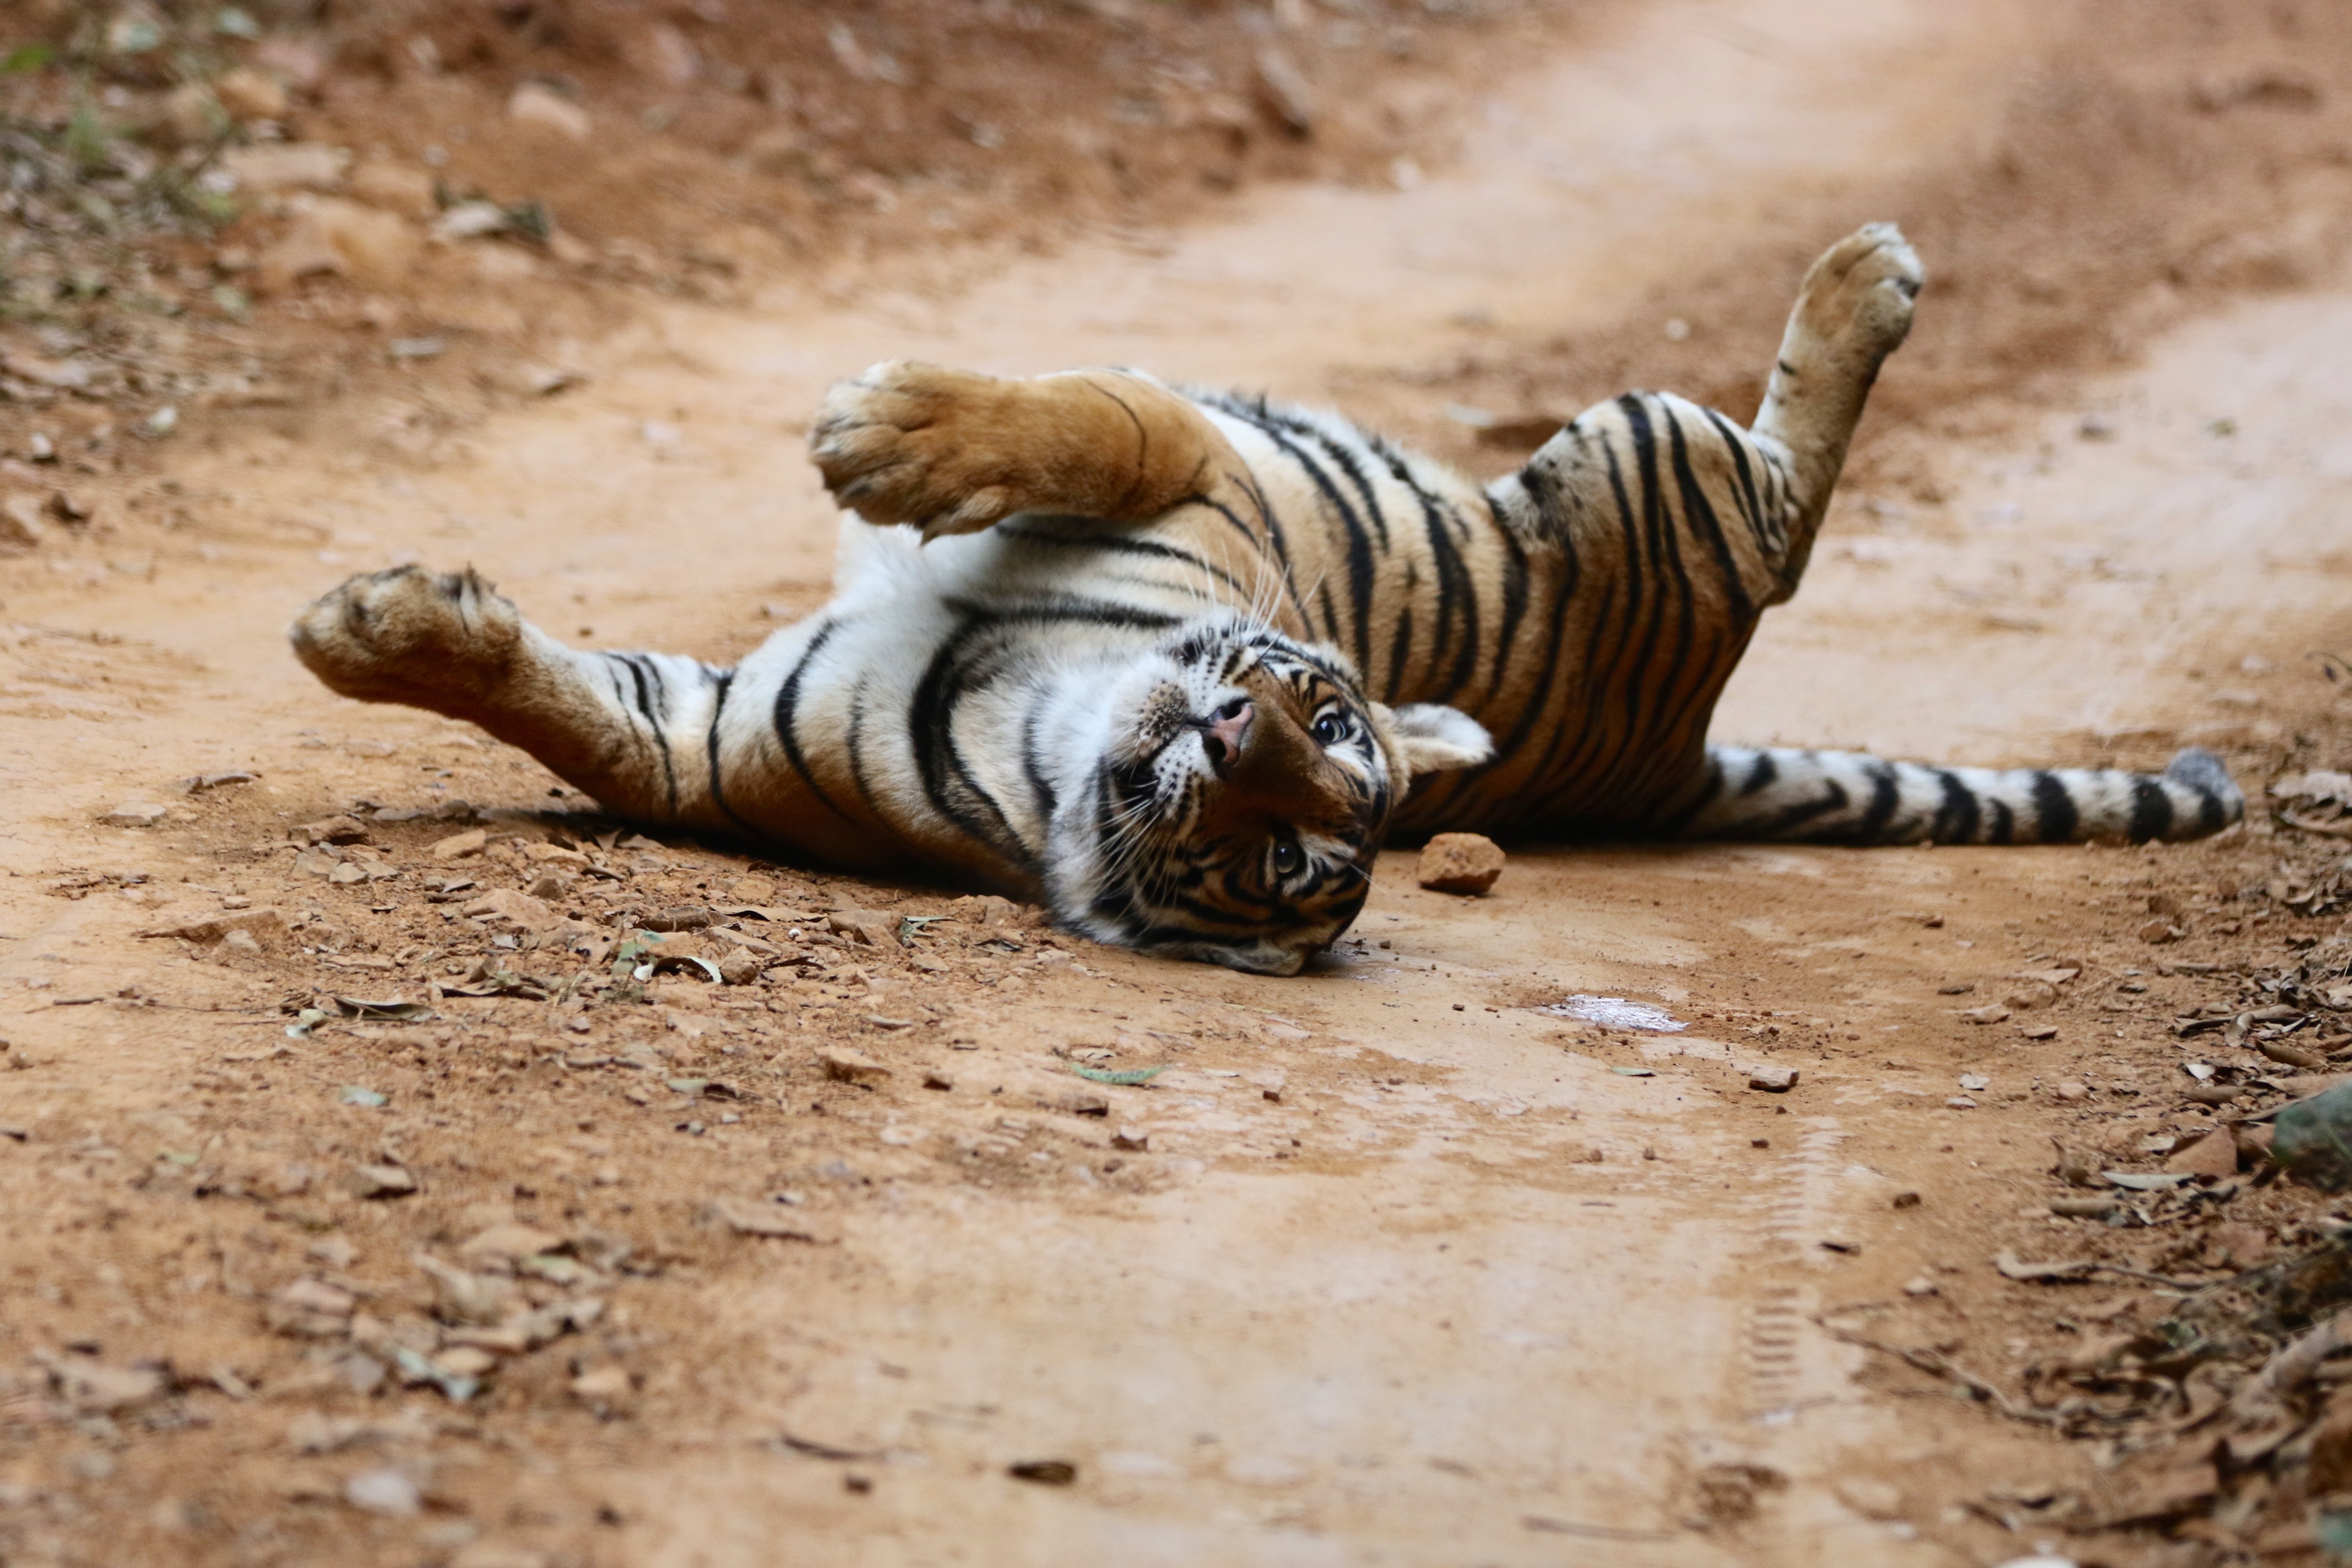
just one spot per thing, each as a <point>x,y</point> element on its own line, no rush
<point>1935,1366</point>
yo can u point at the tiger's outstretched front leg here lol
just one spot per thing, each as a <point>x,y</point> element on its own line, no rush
<point>627,728</point>
<point>950,451</point>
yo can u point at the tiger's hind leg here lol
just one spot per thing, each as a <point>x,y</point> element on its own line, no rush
<point>950,451</point>
<point>627,728</point>
<point>1843,797</point>
<point>1852,309</point>
<point>1678,528</point>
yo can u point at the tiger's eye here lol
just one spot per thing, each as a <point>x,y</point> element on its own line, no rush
<point>1287,859</point>
<point>1331,728</point>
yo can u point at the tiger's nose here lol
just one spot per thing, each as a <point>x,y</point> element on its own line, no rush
<point>1221,732</point>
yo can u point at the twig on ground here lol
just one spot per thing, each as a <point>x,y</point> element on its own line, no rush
<point>1935,1364</point>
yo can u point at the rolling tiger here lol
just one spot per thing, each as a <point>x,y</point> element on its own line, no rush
<point>1175,662</point>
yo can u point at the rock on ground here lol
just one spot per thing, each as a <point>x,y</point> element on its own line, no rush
<point>1460,863</point>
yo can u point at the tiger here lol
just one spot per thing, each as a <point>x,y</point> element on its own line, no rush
<point>1176,663</point>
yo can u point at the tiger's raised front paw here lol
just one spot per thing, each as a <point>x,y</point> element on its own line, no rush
<point>920,444</point>
<point>446,642</point>
<point>1855,302</point>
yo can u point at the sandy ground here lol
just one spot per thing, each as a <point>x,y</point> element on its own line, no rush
<point>1389,1266</point>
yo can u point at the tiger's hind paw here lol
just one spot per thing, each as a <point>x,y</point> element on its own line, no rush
<point>445,642</point>
<point>919,444</point>
<point>1855,306</point>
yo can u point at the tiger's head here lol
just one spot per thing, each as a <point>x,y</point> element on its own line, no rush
<point>1242,785</point>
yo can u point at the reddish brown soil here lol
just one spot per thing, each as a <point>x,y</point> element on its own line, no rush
<point>725,146</point>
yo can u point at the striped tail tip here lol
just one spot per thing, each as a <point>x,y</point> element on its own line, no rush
<point>2198,770</point>
<point>1845,797</point>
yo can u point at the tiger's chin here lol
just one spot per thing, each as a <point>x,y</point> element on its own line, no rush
<point>1119,920</point>
<point>1276,954</point>
<point>1261,958</point>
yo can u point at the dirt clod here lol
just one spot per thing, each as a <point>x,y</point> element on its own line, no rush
<point>1465,863</point>
<point>262,928</point>
<point>1285,93</point>
<point>506,907</point>
<point>844,1064</point>
<point>1729,1493</point>
<point>870,928</point>
<point>2029,994</point>
<point>385,1491</point>
<point>311,1309</point>
<point>2075,1167</point>
<point>21,526</point>
<point>1870,1498</point>
<point>534,104</point>
<point>458,846</point>
<point>746,1217</point>
<point>506,1245</point>
<point>1043,1472</point>
<point>381,1180</point>
<point>2214,1154</point>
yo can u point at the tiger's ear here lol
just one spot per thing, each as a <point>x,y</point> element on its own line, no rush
<point>1432,738</point>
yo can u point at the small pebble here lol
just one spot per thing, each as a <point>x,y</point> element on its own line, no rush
<point>843,1064</point>
<point>381,1182</point>
<point>1044,1472</point>
<point>465,1361</point>
<point>385,1492</point>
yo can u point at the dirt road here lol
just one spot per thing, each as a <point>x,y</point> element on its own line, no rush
<point>1390,1266</point>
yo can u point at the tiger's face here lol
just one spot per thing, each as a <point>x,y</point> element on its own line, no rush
<point>1239,800</point>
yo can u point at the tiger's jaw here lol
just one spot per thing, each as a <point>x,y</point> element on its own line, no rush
<point>1237,797</point>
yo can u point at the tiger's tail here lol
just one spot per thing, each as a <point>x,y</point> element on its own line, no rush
<point>1846,797</point>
